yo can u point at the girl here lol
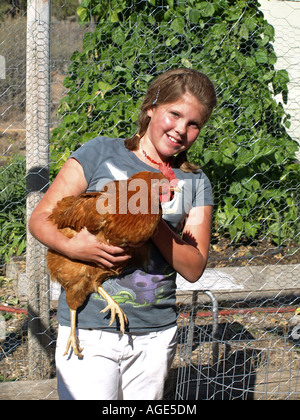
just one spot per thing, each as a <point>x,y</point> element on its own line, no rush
<point>135,365</point>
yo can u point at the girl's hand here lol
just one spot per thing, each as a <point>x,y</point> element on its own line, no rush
<point>84,246</point>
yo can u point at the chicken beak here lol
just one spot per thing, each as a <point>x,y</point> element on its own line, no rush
<point>175,189</point>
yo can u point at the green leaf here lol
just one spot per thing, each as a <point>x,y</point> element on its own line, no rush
<point>269,31</point>
<point>194,15</point>
<point>105,87</point>
<point>251,23</point>
<point>235,188</point>
<point>261,57</point>
<point>280,80</point>
<point>119,36</point>
<point>251,229</point>
<point>178,25</point>
<point>252,199</point>
<point>21,247</point>
<point>82,13</point>
<point>244,32</point>
<point>114,17</point>
<point>206,9</point>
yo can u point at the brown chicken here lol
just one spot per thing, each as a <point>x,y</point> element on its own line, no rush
<point>124,213</point>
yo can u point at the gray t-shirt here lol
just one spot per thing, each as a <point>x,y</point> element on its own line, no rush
<point>147,296</point>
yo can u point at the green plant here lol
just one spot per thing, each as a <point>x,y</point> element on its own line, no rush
<point>12,209</point>
<point>244,149</point>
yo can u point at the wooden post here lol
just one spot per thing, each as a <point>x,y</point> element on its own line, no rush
<point>37,179</point>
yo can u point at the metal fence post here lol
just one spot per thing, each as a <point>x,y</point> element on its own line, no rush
<point>37,161</point>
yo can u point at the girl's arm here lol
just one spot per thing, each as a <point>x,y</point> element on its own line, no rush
<point>187,255</point>
<point>84,246</point>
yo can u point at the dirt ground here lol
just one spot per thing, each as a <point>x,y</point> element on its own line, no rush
<point>225,254</point>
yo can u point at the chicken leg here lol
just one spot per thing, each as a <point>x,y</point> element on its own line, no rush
<point>73,340</point>
<point>114,308</point>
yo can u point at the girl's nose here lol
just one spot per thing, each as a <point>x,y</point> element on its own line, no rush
<point>181,127</point>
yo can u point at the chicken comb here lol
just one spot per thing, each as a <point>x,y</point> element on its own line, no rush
<point>166,170</point>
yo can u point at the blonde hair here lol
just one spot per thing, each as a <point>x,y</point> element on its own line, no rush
<point>168,88</point>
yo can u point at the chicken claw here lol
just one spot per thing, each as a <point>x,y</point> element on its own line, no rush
<point>114,308</point>
<point>73,339</point>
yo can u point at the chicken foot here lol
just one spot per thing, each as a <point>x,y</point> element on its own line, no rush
<point>73,340</point>
<point>114,308</point>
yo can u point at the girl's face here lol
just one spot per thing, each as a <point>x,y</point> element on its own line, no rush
<point>174,127</point>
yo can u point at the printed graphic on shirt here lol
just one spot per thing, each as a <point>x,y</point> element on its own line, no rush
<point>140,288</point>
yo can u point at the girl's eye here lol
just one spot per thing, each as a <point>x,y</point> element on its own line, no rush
<point>194,124</point>
<point>175,114</point>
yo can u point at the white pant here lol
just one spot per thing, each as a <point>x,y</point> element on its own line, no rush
<point>115,366</point>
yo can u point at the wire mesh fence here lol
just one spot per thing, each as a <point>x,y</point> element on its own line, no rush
<point>239,329</point>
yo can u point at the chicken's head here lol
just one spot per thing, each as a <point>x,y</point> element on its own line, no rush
<point>161,185</point>
<point>172,183</point>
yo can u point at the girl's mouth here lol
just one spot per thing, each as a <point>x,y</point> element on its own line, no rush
<point>174,141</point>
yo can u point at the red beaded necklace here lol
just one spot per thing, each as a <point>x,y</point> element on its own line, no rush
<point>149,158</point>
<point>163,167</point>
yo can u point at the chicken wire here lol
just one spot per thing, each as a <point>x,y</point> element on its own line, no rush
<point>252,352</point>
